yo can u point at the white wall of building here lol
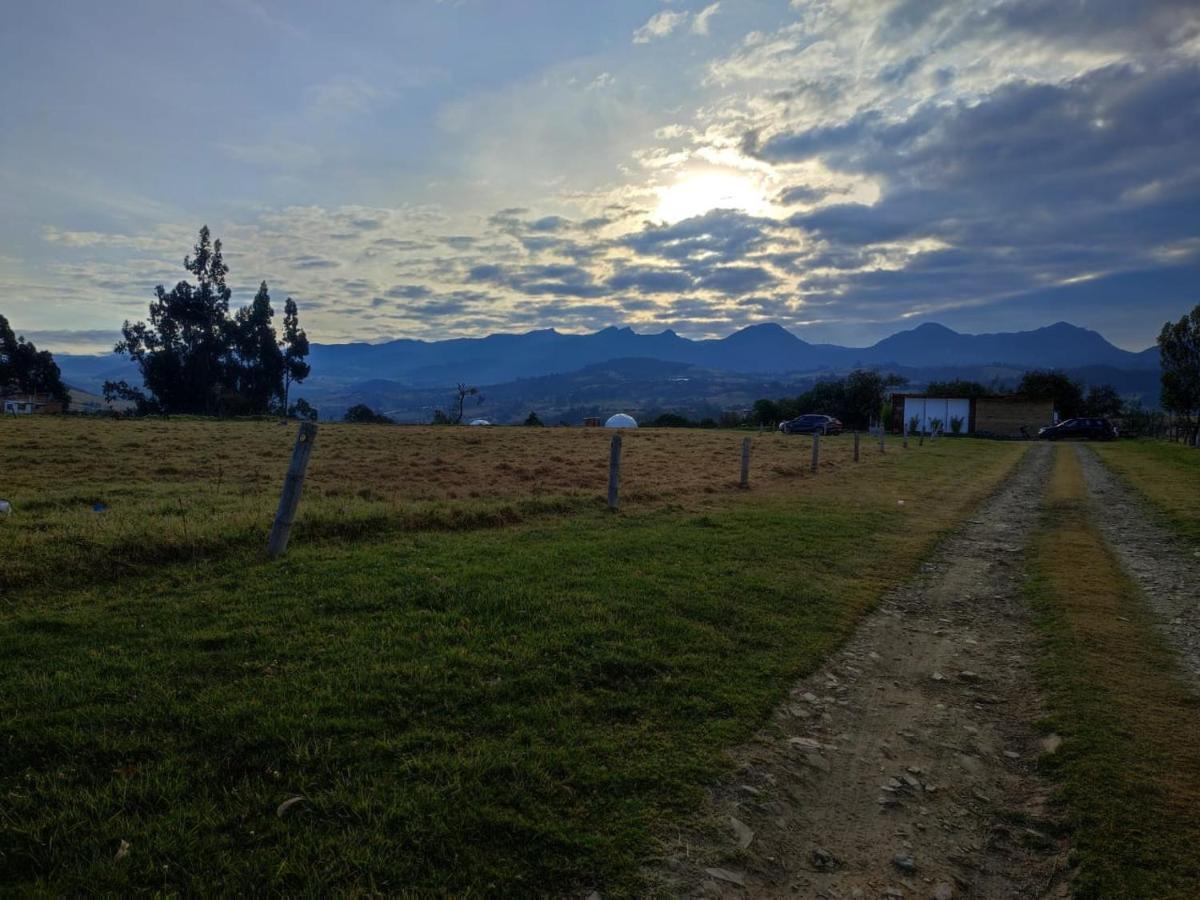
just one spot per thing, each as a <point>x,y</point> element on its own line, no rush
<point>926,409</point>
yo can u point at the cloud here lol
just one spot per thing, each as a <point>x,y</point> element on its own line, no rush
<point>409,291</point>
<point>801,193</point>
<point>720,234</point>
<point>700,23</point>
<point>660,25</point>
<point>60,336</point>
<point>736,280</point>
<point>314,262</point>
<point>549,223</point>
<point>1148,25</point>
<point>536,280</point>
<point>70,238</point>
<point>651,280</point>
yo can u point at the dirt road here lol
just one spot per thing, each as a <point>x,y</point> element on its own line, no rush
<point>1161,564</point>
<point>904,767</point>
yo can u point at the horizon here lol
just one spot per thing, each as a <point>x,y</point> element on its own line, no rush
<point>645,333</point>
<point>449,170</point>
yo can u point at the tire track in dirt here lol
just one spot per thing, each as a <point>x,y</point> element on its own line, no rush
<point>1161,564</point>
<point>904,766</point>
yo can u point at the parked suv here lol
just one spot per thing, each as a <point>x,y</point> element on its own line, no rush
<point>1080,430</point>
<point>813,423</point>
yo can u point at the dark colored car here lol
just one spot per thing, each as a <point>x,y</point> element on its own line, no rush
<point>1079,430</point>
<point>813,423</point>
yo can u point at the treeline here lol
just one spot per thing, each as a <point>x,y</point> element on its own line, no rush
<point>24,369</point>
<point>1068,395</point>
<point>195,357</point>
<point>1071,399</point>
<point>859,400</point>
<point>1179,352</point>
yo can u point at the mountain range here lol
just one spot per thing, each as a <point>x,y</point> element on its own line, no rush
<point>406,375</point>
<point>760,349</point>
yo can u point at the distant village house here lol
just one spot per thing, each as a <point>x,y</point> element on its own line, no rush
<point>30,404</point>
<point>1011,416</point>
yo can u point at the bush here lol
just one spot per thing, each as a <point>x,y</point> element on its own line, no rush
<point>362,413</point>
<point>302,409</point>
<point>956,424</point>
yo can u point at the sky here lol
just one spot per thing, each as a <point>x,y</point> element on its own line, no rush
<point>426,169</point>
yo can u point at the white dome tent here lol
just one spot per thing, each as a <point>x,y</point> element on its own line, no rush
<point>480,422</point>
<point>620,420</point>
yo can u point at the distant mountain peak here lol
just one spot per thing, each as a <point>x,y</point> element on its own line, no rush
<point>1067,328</point>
<point>765,328</point>
<point>934,328</point>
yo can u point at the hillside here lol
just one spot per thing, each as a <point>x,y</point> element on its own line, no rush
<point>570,375</point>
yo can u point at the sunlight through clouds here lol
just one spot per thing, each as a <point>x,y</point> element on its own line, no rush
<point>697,192</point>
<point>695,165</point>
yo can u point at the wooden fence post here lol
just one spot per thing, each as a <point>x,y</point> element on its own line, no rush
<point>856,437</point>
<point>745,480</point>
<point>292,484</point>
<point>882,433</point>
<point>905,435</point>
<point>816,456</point>
<point>614,472</point>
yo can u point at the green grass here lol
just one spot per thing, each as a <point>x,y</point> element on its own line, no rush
<point>508,710</point>
<point>1129,766</point>
<point>202,489</point>
<point>1168,474</point>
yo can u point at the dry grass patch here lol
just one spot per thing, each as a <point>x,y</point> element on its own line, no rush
<point>1128,765</point>
<point>199,489</point>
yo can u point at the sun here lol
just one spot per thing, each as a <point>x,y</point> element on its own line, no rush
<point>695,193</point>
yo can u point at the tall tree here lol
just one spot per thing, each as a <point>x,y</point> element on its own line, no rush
<point>1054,385</point>
<point>1179,350</point>
<point>1103,400</point>
<point>27,370</point>
<point>295,349</point>
<point>462,393</point>
<point>183,353</point>
<point>8,341</point>
<point>866,392</point>
<point>766,412</point>
<point>196,358</point>
<point>258,363</point>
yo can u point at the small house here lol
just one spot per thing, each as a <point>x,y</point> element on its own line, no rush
<point>30,404</point>
<point>1007,416</point>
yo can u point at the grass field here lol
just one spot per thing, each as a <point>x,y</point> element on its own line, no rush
<point>190,489</point>
<point>1168,474</point>
<point>1128,765</point>
<point>505,693</point>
